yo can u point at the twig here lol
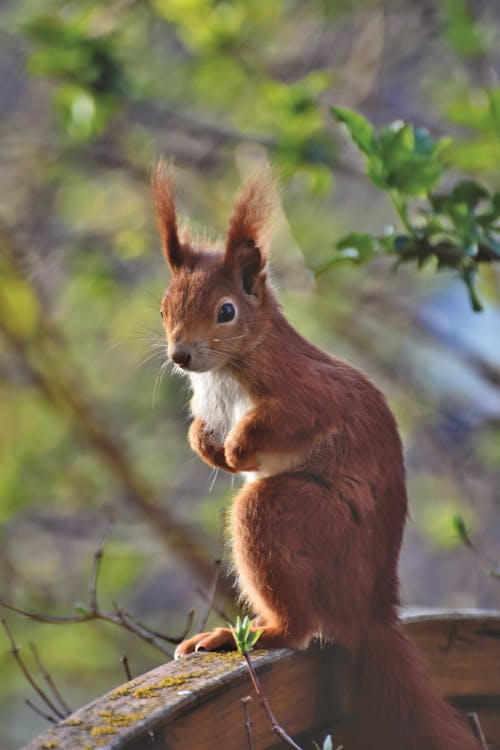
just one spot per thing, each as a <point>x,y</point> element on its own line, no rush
<point>121,617</point>
<point>126,666</point>
<point>225,616</point>
<point>24,669</point>
<point>163,636</point>
<point>477,730</point>
<point>125,619</point>
<point>267,708</point>
<point>248,724</point>
<point>215,580</point>
<point>38,711</point>
<point>94,573</point>
<point>464,535</point>
<point>50,682</point>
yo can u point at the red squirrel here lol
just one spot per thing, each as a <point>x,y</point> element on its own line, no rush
<point>316,530</point>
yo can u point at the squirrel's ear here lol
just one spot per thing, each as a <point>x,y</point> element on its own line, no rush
<point>164,202</point>
<point>250,227</point>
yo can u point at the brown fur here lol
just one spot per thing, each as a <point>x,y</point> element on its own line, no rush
<point>316,534</point>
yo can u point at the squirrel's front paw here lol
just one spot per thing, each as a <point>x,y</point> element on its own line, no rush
<point>240,459</point>
<point>204,442</point>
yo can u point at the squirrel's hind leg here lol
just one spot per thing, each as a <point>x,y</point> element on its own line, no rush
<point>276,558</point>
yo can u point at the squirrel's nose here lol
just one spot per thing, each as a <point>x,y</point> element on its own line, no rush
<point>180,356</point>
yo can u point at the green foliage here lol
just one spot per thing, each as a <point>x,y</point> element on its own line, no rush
<point>90,77</point>
<point>399,157</point>
<point>244,637</point>
<point>457,228</point>
<point>460,30</point>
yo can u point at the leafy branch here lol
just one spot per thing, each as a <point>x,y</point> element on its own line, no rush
<point>458,228</point>
<point>245,638</point>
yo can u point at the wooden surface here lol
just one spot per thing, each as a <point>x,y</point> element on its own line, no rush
<point>196,703</point>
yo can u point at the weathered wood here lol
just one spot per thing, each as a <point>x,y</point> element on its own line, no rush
<point>196,703</point>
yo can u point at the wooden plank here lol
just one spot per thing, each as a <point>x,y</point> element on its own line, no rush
<point>196,703</point>
<point>462,650</point>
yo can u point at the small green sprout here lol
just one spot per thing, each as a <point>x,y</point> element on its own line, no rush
<point>327,744</point>
<point>245,638</point>
<point>461,529</point>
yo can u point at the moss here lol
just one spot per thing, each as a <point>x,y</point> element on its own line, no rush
<point>99,731</point>
<point>125,690</point>
<point>149,691</point>
<point>120,720</point>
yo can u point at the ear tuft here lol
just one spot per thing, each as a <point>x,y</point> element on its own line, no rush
<point>251,222</point>
<point>164,202</point>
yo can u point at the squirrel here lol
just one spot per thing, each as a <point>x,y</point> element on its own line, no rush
<point>317,528</point>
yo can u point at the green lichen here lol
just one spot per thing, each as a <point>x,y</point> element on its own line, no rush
<point>124,690</point>
<point>100,731</point>
<point>73,723</point>
<point>149,691</point>
<point>48,745</point>
<point>120,720</point>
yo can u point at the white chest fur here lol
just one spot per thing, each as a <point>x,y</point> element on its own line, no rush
<point>219,400</point>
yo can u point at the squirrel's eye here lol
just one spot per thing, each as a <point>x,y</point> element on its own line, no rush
<point>226,312</point>
<point>161,313</point>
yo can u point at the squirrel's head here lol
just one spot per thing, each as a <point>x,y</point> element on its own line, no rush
<point>217,302</point>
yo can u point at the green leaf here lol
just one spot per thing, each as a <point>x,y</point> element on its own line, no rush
<point>463,35</point>
<point>357,247</point>
<point>328,743</point>
<point>359,128</point>
<point>469,192</point>
<point>468,276</point>
<point>409,159</point>
<point>253,638</point>
<point>416,176</point>
<point>82,609</point>
<point>396,144</point>
<point>461,529</point>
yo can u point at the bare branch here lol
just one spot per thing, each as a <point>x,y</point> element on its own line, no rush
<point>14,650</point>
<point>91,611</point>
<point>248,724</point>
<point>477,730</point>
<point>163,636</point>
<point>217,569</point>
<point>267,708</point>
<point>50,682</point>
<point>124,619</point>
<point>38,711</point>
<point>94,575</point>
<point>126,666</point>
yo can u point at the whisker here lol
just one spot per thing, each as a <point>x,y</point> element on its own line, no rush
<point>215,474</point>
<point>159,378</point>
<point>232,338</point>
<point>149,358</point>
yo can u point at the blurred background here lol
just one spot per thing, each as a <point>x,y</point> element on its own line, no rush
<point>92,424</point>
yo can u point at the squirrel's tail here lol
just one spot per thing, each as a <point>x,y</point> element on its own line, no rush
<point>396,708</point>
